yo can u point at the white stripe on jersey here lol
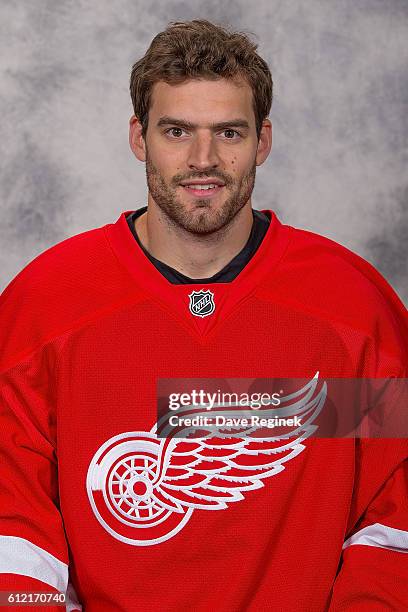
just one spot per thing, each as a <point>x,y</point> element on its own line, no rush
<point>72,604</point>
<point>381,536</point>
<point>20,556</point>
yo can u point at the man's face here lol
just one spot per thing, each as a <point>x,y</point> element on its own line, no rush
<point>177,153</point>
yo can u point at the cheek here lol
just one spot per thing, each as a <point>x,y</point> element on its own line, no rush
<point>238,168</point>
<point>162,154</point>
<point>239,165</point>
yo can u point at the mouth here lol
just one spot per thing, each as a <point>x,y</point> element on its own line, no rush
<point>207,192</point>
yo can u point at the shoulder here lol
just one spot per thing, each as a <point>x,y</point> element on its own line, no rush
<point>337,275</point>
<point>330,282</point>
<point>50,261</point>
<point>51,272</point>
<point>67,283</point>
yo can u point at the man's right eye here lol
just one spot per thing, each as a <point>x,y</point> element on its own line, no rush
<point>172,130</point>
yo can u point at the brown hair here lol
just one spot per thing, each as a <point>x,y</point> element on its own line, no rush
<point>200,49</point>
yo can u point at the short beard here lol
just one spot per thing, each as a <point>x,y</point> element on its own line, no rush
<point>195,223</point>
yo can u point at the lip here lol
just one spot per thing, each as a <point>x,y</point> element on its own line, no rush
<point>203,181</point>
<point>202,193</point>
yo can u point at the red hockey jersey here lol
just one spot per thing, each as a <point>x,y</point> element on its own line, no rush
<point>86,331</point>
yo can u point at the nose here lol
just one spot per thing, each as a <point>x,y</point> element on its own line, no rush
<point>203,152</point>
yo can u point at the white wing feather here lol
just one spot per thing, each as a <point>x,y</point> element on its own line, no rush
<point>211,471</point>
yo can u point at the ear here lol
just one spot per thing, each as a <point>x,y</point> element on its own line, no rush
<point>265,142</point>
<point>136,140</point>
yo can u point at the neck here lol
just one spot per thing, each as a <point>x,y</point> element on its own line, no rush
<point>193,255</point>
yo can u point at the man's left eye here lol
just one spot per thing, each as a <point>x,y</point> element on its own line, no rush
<point>231,131</point>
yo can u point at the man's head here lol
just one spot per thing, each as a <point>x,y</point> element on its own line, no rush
<point>201,95</point>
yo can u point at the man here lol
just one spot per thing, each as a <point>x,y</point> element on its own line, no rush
<point>197,285</point>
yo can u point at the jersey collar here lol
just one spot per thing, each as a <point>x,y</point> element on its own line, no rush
<point>200,307</point>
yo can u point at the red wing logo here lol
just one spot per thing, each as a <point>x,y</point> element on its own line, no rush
<point>144,489</point>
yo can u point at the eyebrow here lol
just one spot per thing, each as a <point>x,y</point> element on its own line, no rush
<point>166,120</point>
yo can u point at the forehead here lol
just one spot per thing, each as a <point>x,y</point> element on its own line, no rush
<point>200,99</point>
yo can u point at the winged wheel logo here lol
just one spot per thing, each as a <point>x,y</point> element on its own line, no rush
<point>143,489</point>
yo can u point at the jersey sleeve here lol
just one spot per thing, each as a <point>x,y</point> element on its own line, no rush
<point>373,574</point>
<point>373,571</point>
<point>34,555</point>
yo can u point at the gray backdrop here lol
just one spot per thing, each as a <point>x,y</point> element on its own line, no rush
<point>340,115</point>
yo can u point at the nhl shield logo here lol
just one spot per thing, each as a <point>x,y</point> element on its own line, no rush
<point>201,303</point>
